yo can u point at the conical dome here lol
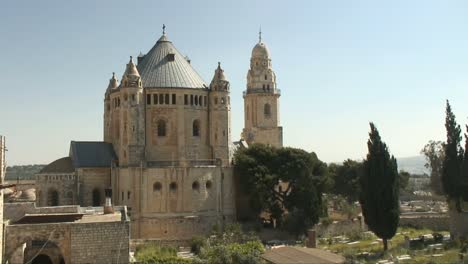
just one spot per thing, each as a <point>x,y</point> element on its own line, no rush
<point>219,82</point>
<point>165,67</point>
<point>113,82</point>
<point>131,69</point>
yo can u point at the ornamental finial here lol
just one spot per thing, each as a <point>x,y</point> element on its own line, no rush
<point>164,29</point>
<point>260,35</point>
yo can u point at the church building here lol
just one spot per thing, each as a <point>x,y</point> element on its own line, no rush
<point>167,146</point>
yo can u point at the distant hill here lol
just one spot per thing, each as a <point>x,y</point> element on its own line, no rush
<point>22,172</point>
<point>413,165</point>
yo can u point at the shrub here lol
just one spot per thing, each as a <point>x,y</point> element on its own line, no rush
<point>154,254</point>
<point>196,244</point>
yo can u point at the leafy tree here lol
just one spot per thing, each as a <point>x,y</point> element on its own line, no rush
<point>403,179</point>
<point>451,168</point>
<point>434,152</point>
<point>346,179</point>
<point>280,180</point>
<point>380,189</point>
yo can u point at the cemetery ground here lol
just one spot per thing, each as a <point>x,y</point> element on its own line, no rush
<point>409,245</point>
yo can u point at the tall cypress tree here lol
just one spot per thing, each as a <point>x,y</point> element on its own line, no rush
<point>464,172</point>
<point>380,189</point>
<point>451,167</point>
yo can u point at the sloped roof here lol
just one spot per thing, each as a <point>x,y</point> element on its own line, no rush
<point>91,154</point>
<point>158,70</point>
<point>295,255</point>
<point>62,165</point>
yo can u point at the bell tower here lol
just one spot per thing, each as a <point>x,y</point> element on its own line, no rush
<point>261,100</point>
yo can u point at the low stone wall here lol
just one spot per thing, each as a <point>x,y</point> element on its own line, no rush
<point>14,211</point>
<point>134,243</point>
<point>436,222</point>
<point>339,228</point>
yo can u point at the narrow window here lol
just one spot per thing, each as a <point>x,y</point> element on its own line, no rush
<point>167,99</point>
<point>128,195</point>
<point>196,100</point>
<point>264,87</point>
<point>223,100</point>
<point>155,99</point>
<point>161,99</point>
<point>266,77</point>
<point>185,99</point>
<point>196,128</point>
<point>133,97</point>
<point>196,186</point>
<point>208,184</point>
<point>216,100</point>
<point>191,99</point>
<point>200,99</point>
<point>173,99</point>
<point>148,99</point>
<point>173,186</point>
<point>118,102</point>
<point>161,128</point>
<point>204,100</point>
<point>268,87</point>
<point>267,110</point>
<point>122,196</point>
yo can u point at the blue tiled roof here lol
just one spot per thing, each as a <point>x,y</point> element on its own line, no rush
<point>91,154</point>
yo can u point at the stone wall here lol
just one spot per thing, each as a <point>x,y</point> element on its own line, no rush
<point>436,222</point>
<point>90,180</point>
<point>100,242</point>
<point>14,211</point>
<point>65,184</point>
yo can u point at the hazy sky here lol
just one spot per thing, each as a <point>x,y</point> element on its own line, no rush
<point>339,65</point>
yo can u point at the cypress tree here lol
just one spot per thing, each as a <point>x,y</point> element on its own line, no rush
<point>464,172</point>
<point>451,167</point>
<point>380,189</point>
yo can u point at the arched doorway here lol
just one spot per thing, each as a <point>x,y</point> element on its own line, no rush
<point>52,198</point>
<point>41,259</point>
<point>96,197</point>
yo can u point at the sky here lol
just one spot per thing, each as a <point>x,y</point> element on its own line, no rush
<point>340,64</point>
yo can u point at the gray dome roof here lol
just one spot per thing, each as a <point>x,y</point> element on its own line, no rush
<point>165,67</point>
<point>260,51</point>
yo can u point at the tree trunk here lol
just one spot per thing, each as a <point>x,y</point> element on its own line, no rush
<point>385,244</point>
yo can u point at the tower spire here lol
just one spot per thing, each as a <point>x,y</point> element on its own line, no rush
<point>260,35</point>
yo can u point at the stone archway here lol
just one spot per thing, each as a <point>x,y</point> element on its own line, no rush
<point>41,259</point>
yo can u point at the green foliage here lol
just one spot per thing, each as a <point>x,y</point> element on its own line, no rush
<point>230,247</point>
<point>380,189</point>
<point>346,179</point>
<point>435,155</point>
<point>283,179</point>
<point>196,244</point>
<point>403,179</point>
<point>463,184</point>
<point>22,172</point>
<point>453,157</point>
<point>154,254</point>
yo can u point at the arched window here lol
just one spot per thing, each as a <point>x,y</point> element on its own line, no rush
<point>208,184</point>
<point>157,187</point>
<point>53,198</point>
<point>96,197</point>
<point>173,187</point>
<point>196,128</point>
<point>266,77</point>
<point>196,100</point>
<point>196,186</point>
<point>161,128</point>
<point>267,110</point>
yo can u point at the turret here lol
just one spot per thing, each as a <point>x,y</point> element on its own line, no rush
<point>131,116</point>
<point>220,116</point>
<point>113,85</point>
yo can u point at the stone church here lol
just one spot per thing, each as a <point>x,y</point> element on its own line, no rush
<point>167,145</point>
